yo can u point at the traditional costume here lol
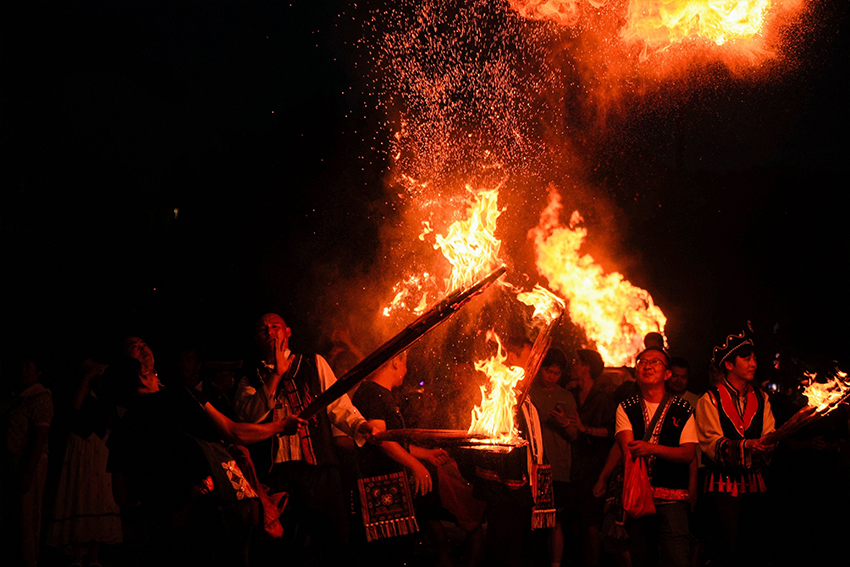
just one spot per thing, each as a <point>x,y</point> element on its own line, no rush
<point>673,427</point>
<point>304,465</point>
<point>726,419</point>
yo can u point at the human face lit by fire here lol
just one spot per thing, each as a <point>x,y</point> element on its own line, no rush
<point>678,382</point>
<point>272,333</point>
<point>550,376</point>
<point>134,347</point>
<point>744,367</point>
<point>652,368</point>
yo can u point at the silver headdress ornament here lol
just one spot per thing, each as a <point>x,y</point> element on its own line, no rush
<point>731,344</point>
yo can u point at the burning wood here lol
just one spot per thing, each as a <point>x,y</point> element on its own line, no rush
<point>428,436</point>
<point>823,398</point>
<point>551,309</point>
<point>494,417</point>
<point>409,335</point>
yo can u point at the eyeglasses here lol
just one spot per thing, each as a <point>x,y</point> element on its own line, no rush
<point>651,362</point>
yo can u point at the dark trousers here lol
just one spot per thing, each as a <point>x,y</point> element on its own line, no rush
<point>739,522</point>
<point>315,521</point>
<point>661,538</point>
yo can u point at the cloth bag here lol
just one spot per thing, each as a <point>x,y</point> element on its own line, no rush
<point>386,505</point>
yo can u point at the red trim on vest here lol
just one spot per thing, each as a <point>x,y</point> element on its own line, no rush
<point>751,404</point>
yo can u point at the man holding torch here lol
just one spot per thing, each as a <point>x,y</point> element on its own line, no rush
<point>305,464</point>
<point>732,419</point>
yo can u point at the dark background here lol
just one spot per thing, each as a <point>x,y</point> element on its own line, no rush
<point>175,169</point>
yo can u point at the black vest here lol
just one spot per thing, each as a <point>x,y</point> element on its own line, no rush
<point>753,431</point>
<point>663,473</point>
<point>306,378</point>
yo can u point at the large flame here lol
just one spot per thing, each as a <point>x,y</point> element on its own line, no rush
<point>660,23</point>
<point>614,314</point>
<point>494,418</point>
<point>826,397</point>
<point>470,246</point>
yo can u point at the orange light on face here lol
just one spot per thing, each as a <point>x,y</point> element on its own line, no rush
<point>494,417</point>
<point>614,314</point>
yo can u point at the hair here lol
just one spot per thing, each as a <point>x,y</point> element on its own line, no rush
<point>592,359</point>
<point>555,357</point>
<point>743,351</point>
<point>680,362</point>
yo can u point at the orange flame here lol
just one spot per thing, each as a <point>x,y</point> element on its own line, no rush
<point>547,305</point>
<point>495,416</point>
<point>470,246</point>
<point>826,397</point>
<point>563,12</point>
<point>661,23</point>
<point>614,314</point>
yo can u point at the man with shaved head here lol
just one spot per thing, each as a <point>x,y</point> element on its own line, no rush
<point>304,464</point>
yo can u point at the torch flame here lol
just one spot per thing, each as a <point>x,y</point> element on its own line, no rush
<point>494,418</point>
<point>470,246</point>
<point>547,305</point>
<point>614,314</point>
<point>826,397</point>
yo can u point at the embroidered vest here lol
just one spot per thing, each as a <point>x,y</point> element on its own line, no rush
<point>663,473</point>
<point>735,426</point>
<point>306,386</point>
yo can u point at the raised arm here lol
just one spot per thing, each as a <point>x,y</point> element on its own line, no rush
<point>248,433</point>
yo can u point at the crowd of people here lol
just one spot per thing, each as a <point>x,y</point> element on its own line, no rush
<point>217,468</point>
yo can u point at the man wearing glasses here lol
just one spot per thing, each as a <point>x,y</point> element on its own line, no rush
<point>667,441</point>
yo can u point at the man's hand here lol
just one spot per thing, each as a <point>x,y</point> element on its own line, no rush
<point>281,361</point>
<point>575,420</point>
<point>92,369</point>
<point>757,446</point>
<point>560,415</point>
<point>371,428</point>
<point>422,483</point>
<point>600,488</point>
<point>289,425</point>
<point>438,457</point>
<point>642,448</point>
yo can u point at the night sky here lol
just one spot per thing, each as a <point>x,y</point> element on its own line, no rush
<point>175,169</point>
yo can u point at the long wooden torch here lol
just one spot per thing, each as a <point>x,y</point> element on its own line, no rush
<point>409,335</point>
